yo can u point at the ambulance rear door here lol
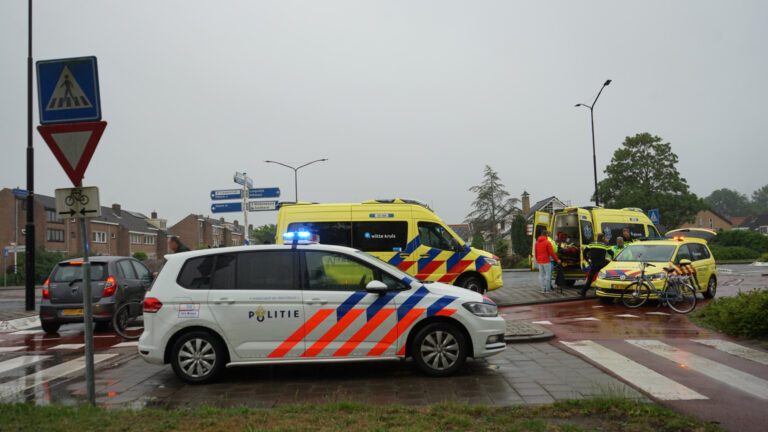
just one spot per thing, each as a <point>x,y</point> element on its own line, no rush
<point>586,233</point>
<point>542,221</point>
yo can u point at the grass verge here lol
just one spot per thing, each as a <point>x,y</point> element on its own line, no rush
<point>600,414</point>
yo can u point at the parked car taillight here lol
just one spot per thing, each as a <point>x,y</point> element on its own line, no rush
<point>46,289</point>
<point>152,305</point>
<point>109,287</point>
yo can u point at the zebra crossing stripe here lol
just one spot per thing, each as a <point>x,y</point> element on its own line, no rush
<point>13,388</point>
<point>11,349</point>
<point>645,379</point>
<point>736,350</point>
<point>717,371</point>
<point>20,361</point>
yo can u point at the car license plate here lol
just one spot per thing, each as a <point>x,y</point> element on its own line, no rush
<point>72,312</point>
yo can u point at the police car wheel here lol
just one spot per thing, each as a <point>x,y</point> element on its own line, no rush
<point>711,288</point>
<point>439,349</point>
<point>473,283</point>
<point>197,357</point>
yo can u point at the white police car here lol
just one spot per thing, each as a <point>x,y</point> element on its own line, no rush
<point>303,303</point>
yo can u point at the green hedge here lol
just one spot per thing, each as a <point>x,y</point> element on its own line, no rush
<point>743,238</point>
<point>745,315</point>
<point>734,253</point>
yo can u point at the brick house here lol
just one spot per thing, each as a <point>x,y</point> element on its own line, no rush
<point>115,232</point>
<point>710,219</point>
<point>198,231</point>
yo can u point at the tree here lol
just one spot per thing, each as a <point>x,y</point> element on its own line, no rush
<point>491,206</point>
<point>521,242</point>
<point>502,248</point>
<point>728,202</point>
<point>643,174</point>
<point>478,242</point>
<point>264,234</point>
<point>760,199</point>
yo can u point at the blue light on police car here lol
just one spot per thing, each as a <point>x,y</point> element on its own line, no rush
<point>301,236</point>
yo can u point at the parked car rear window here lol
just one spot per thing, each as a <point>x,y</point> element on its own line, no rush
<point>66,272</point>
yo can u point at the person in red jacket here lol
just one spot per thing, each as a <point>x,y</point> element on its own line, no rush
<point>543,252</point>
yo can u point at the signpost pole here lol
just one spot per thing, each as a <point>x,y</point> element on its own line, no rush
<point>16,239</point>
<point>245,210</point>
<point>88,317</point>
<point>29,294</point>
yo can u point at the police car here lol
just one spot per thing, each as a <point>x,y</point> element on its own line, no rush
<point>305,302</point>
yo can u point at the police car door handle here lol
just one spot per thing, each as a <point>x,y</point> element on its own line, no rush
<point>224,300</point>
<point>318,301</point>
<point>404,254</point>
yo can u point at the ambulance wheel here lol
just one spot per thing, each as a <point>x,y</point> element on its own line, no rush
<point>473,283</point>
<point>711,288</point>
<point>439,349</point>
<point>197,357</point>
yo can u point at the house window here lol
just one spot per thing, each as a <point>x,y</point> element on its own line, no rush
<point>53,235</point>
<point>763,230</point>
<point>215,242</point>
<point>149,239</point>
<point>99,237</point>
<point>700,225</point>
<point>711,224</point>
<point>215,230</point>
<point>50,216</point>
<point>135,238</point>
<point>235,242</point>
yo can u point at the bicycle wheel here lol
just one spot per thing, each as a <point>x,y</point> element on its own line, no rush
<point>128,320</point>
<point>681,297</point>
<point>635,294</point>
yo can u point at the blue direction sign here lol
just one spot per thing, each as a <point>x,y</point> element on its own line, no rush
<point>262,206</point>
<point>653,215</point>
<point>227,207</point>
<point>20,193</point>
<point>224,194</point>
<point>271,192</point>
<point>68,90</point>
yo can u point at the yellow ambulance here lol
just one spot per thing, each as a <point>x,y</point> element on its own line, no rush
<point>404,233</point>
<point>573,228</point>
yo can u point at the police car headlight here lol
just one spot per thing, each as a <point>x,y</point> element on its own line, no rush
<point>482,309</point>
<point>601,275</point>
<point>657,276</point>
<point>492,261</point>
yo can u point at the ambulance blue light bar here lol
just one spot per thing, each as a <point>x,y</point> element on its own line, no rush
<point>303,237</point>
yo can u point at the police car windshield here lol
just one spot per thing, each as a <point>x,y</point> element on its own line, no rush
<point>392,269</point>
<point>646,252</point>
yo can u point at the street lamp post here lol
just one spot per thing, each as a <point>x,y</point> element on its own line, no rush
<point>592,118</point>
<point>295,174</point>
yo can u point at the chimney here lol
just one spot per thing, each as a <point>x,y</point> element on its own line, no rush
<point>116,210</point>
<point>236,224</point>
<point>154,215</point>
<point>221,219</point>
<point>526,203</point>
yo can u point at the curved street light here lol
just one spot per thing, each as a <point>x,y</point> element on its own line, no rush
<point>592,117</point>
<point>295,174</point>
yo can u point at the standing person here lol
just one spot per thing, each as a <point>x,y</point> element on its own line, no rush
<point>176,246</point>
<point>544,253</point>
<point>598,254</point>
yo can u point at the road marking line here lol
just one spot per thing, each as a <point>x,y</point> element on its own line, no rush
<point>20,361</point>
<point>26,332</point>
<point>20,323</point>
<point>67,347</point>
<point>12,389</point>
<point>627,316</point>
<point>541,322</point>
<point>587,319</point>
<point>645,379</point>
<point>126,344</point>
<point>598,306</point>
<point>10,349</point>
<point>736,349</point>
<point>656,313</point>
<point>717,371</point>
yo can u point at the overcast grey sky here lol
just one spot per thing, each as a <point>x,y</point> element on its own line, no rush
<point>405,98</point>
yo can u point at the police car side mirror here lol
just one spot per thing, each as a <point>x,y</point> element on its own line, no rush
<point>377,287</point>
<point>684,262</point>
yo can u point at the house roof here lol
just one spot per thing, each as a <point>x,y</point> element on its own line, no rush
<point>737,220</point>
<point>463,230</point>
<point>543,203</point>
<point>721,216</point>
<point>755,222</point>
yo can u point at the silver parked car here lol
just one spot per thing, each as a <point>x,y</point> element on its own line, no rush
<point>114,280</point>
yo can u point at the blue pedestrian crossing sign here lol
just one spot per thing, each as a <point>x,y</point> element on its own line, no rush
<point>68,90</point>
<point>653,215</point>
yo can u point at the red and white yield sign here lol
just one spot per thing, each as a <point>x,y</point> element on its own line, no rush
<point>73,145</point>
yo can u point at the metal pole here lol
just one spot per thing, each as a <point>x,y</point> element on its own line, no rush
<point>30,227</point>
<point>88,318</point>
<point>594,156</point>
<point>16,239</point>
<point>245,210</point>
<point>296,184</point>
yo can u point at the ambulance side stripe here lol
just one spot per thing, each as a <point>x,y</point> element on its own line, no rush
<point>423,262</point>
<point>429,269</point>
<point>454,260</point>
<point>364,332</point>
<point>333,333</point>
<point>455,271</point>
<point>482,265</point>
<point>300,333</point>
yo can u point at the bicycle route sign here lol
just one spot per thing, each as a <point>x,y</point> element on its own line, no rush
<point>78,202</point>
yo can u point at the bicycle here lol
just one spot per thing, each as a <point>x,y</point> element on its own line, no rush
<point>77,195</point>
<point>677,292</point>
<point>128,320</point>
